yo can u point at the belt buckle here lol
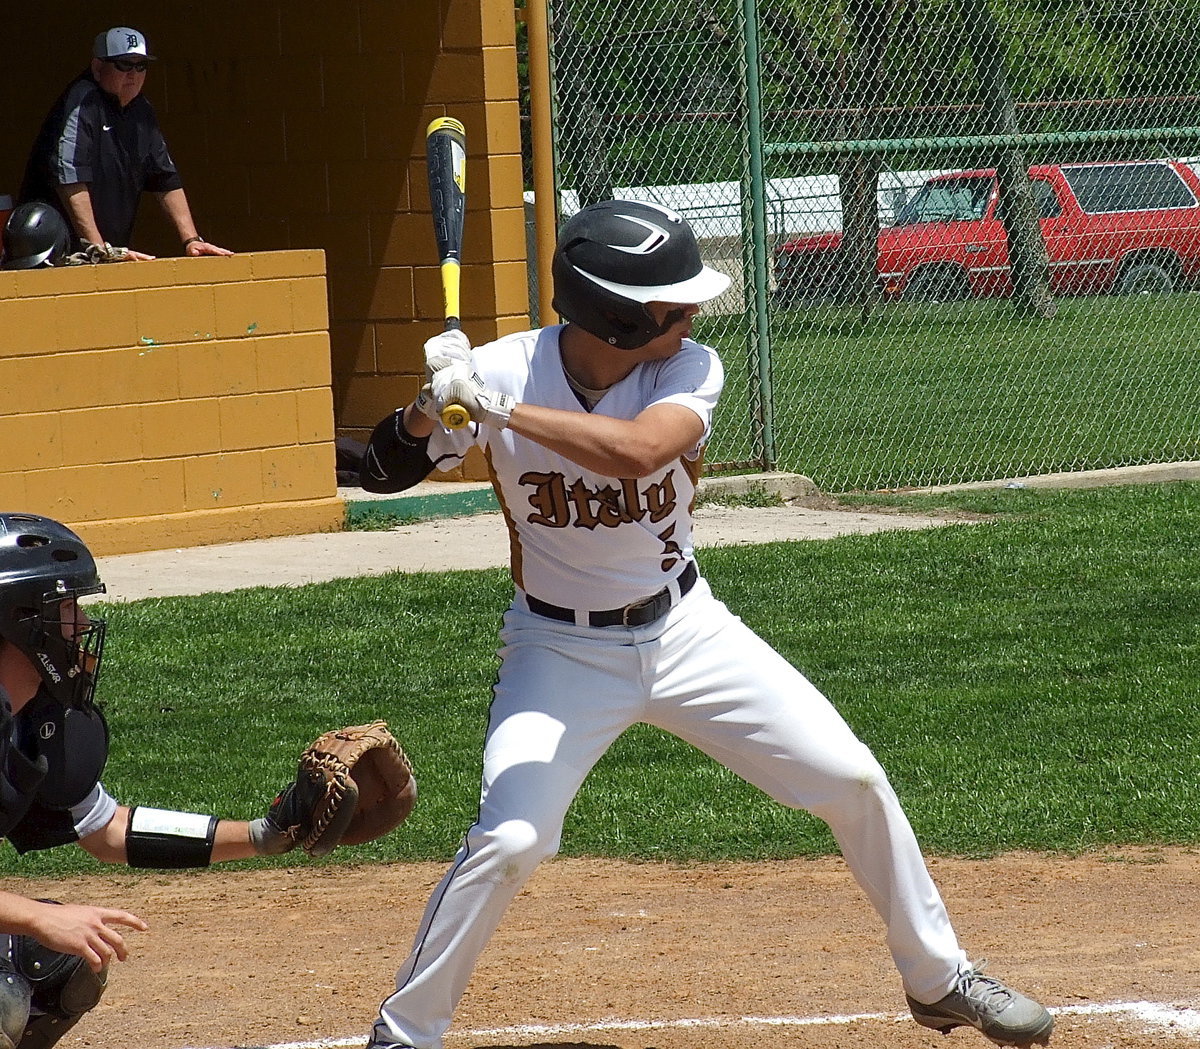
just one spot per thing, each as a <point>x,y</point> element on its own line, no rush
<point>652,602</point>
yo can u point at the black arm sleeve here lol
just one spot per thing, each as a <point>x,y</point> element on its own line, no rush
<point>394,459</point>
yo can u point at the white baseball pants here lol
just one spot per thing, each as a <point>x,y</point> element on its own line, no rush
<point>565,693</point>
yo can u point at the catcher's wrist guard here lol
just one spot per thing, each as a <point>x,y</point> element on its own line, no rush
<point>169,840</point>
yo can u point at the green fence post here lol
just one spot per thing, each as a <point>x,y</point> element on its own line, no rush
<point>754,237</point>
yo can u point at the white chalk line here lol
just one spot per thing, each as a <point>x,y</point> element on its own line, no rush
<point>1150,1015</point>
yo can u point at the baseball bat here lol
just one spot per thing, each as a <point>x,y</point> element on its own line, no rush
<point>446,164</point>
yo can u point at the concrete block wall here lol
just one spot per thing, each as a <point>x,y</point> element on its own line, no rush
<point>300,124</point>
<point>169,403</point>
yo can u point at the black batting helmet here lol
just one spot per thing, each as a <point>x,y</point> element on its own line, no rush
<point>614,257</point>
<point>34,235</point>
<point>44,566</point>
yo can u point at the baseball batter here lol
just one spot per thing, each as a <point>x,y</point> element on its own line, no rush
<point>593,433</point>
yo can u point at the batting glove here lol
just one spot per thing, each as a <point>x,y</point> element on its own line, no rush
<point>446,376</point>
<point>426,405</point>
<point>450,347</point>
<point>458,385</point>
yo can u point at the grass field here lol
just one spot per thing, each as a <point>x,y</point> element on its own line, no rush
<point>932,394</point>
<point>1030,682</point>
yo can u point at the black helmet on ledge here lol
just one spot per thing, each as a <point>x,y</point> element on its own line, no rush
<point>34,235</point>
<point>614,257</point>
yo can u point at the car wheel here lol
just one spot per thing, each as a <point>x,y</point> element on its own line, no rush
<point>1146,278</point>
<point>937,285</point>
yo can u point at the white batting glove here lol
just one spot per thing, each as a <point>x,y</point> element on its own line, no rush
<point>450,347</point>
<point>458,385</point>
<point>445,377</point>
<point>426,405</point>
<point>448,375</point>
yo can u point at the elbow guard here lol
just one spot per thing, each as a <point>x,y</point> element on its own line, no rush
<point>169,840</point>
<point>394,459</point>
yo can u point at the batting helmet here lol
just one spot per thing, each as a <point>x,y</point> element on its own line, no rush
<point>614,257</point>
<point>44,566</point>
<point>34,235</point>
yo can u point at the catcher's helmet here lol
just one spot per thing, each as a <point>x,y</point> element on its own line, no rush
<point>34,235</point>
<point>44,565</point>
<point>614,257</point>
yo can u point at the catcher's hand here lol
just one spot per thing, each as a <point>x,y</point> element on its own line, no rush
<point>353,785</point>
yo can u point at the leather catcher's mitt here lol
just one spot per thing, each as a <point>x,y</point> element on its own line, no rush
<point>353,785</point>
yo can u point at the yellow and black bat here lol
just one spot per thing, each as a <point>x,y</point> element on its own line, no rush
<point>446,163</point>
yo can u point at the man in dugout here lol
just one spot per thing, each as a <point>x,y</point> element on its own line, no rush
<point>100,147</point>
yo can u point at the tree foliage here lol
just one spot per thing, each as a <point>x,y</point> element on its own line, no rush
<point>646,91</point>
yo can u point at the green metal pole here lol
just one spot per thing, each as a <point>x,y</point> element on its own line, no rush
<point>755,274</point>
<point>545,195</point>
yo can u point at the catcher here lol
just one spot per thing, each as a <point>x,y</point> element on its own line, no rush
<point>351,786</point>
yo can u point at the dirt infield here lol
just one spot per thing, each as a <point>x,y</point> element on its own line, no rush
<point>597,954</point>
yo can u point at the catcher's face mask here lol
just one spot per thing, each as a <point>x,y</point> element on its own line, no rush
<point>65,645</point>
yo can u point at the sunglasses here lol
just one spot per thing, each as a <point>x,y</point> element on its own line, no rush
<point>125,66</point>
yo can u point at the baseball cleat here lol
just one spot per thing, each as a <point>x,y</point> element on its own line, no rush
<point>1005,1016</point>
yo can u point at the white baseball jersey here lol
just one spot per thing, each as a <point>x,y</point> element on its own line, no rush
<point>578,539</point>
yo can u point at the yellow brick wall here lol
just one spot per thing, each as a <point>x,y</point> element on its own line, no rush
<point>300,124</point>
<point>169,403</point>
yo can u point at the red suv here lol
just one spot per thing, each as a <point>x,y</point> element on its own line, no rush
<point>1129,226</point>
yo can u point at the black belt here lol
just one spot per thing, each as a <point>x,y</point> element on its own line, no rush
<point>639,613</point>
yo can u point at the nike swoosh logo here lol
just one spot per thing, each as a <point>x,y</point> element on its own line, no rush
<point>106,127</point>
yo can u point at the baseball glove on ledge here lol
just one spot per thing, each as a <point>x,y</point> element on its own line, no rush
<point>353,785</point>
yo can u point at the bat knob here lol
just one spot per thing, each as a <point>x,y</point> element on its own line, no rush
<point>455,417</point>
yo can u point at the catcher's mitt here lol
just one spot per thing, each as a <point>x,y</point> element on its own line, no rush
<point>353,785</point>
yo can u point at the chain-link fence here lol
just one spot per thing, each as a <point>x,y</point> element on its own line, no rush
<point>964,235</point>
